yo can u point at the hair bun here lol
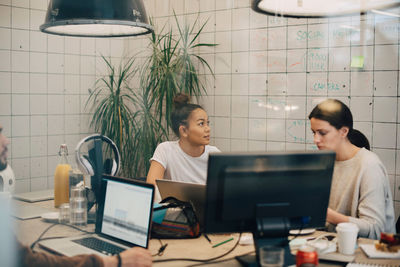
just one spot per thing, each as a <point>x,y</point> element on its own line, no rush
<point>180,100</point>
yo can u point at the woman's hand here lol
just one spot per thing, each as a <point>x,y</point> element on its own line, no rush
<point>335,217</point>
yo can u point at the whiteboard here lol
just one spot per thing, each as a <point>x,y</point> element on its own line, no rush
<point>290,65</point>
<point>280,68</point>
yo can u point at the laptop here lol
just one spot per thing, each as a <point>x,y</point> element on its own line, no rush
<point>123,220</point>
<point>25,211</point>
<point>35,196</point>
<point>189,192</point>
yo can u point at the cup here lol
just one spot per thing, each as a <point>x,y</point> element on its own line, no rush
<point>63,216</point>
<point>271,256</point>
<point>78,206</point>
<point>347,237</point>
<point>76,178</point>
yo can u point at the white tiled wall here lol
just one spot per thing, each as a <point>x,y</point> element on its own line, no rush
<point>44,82</point>
<point>269,73</point>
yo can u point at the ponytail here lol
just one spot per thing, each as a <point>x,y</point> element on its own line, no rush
<point>357,138</point>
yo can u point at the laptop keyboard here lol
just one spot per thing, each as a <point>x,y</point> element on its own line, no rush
<point>99,245</point>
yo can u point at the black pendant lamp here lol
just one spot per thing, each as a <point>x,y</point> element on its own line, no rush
<point>96,18</point>
<point>319,8</point>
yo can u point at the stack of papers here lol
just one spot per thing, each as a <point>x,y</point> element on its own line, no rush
<point>372,252</point>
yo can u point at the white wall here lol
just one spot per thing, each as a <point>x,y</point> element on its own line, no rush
<point>44,83</point>
<point>269,73</point>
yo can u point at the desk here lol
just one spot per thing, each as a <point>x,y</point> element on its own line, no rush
<point>199,248</point>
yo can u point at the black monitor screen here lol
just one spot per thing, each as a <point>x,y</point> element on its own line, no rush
<point>244,186</point>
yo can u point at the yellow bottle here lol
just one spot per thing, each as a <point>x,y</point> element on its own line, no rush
<point>61,178</point>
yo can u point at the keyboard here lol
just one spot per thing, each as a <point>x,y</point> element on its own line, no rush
<point>99,245</point>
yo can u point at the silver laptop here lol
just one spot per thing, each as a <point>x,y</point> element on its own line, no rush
<point>123,221</point>
<point>189,192</point>
<point>35,196</point>
<point>25,211</point>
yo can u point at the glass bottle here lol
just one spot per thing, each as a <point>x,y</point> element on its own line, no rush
<point>61,178</point>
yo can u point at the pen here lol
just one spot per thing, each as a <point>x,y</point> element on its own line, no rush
<point>223,242</point>
<point>206,236</point>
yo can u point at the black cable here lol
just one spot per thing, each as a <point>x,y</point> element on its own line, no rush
<point>161,249</point>
<point>51,226</point>
<point>202,260</point>
<point>77,228</point>
<point>224,260</point>
<point>40,236</point>
<point>299,231</point>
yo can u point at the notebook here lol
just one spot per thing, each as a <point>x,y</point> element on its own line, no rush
<point>25,211</point>
<point>189,192</point>
<point>123,220</point>
<point>35,196</point>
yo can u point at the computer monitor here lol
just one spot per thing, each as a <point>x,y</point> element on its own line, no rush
<point>268,194</point>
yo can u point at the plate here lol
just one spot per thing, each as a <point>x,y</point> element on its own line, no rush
<point>306,231</point>
<point>50,216</point>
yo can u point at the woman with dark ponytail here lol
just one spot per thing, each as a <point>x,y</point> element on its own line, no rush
<point>360,191</point>
<point>186,159</point>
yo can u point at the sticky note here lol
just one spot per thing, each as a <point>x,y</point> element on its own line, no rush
<point>357,62</point>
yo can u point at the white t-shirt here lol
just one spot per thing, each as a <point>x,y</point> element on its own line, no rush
<point>180,166</point>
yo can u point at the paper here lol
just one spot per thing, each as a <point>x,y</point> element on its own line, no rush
<point>372,252</point>
<point>363,265</point>
<point>357,62</point>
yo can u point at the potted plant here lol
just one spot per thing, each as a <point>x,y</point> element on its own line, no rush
<point>111,103</point>
<point>139,118</point>
<point>172,66</point>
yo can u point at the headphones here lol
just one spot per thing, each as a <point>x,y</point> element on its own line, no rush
<point>84,163</point>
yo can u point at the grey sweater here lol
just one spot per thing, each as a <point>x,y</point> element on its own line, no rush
<point>360,189</point>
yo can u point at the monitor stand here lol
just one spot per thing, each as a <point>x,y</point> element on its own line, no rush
<point>252,260</point>
<point>270,232</point>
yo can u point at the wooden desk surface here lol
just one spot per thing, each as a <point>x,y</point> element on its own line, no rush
<point>199,248</point>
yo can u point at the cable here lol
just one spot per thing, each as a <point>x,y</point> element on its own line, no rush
<point>161,249</point>
<point>298,231</point>
<point>77,228</point>
<point>40,236</point>
<point>224,260</point>
<point>51,226</point>
<point>202,260</point>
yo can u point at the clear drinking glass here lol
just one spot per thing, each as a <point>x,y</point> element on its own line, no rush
<point>78,206</point>
<point>64,213</point>
<point>271,256</point>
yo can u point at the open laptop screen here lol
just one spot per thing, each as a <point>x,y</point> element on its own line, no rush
<point>127,211</point>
